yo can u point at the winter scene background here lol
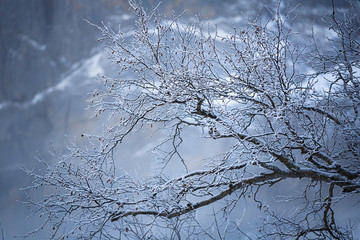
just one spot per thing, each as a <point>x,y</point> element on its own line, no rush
<point>50,64</point>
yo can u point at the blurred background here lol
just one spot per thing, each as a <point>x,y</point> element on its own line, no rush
<point>49,62</point>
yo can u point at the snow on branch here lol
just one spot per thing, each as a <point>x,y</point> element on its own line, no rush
<point>248,87</point>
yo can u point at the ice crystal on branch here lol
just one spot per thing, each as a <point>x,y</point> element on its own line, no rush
<point>249,87</point>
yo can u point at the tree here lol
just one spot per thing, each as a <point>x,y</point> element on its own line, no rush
<point>282,123</point>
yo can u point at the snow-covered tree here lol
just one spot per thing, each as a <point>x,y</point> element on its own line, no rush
<point>287,113</point>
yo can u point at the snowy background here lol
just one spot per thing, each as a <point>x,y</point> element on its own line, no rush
<point>49,62</point>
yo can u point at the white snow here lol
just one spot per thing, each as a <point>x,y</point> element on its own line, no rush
<point>90,67</point>
<point>33,43</point>
<point>93,66</point>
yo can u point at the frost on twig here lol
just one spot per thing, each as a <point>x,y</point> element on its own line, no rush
<point>248,87</point>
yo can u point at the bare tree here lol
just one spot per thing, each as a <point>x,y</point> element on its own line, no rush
<point>282,122</point>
